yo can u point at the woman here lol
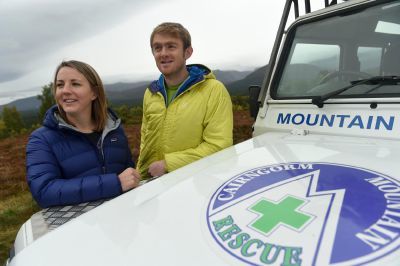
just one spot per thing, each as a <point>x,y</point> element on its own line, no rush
<point>81,152</point>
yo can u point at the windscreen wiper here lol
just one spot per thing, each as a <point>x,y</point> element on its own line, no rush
<point>379,80</point>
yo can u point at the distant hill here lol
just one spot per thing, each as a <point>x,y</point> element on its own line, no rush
<point>25,104</point>
<point>123,86</point>
<point>131,96</point>
<point>131,93</point>
<point>117,93</point>
<point>240,87</point>
<point>229,76</point>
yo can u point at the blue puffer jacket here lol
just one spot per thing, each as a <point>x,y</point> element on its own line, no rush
<point>64,167</point>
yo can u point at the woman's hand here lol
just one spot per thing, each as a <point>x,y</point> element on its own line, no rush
<point>129,179</point>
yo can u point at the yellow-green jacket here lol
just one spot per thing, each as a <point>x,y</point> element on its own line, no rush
<point>197,122</point>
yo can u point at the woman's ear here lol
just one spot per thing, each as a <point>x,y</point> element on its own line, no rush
<point>94,96</point>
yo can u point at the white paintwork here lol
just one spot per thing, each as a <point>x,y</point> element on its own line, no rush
<point>164,223</point>
<point>24,237</point>
<point>344,122</point>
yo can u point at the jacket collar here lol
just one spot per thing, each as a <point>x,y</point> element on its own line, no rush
<point>54,120</point>
<point>197,73</point>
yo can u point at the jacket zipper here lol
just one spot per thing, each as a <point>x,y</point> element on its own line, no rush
<point>100,148</point>
<point>99,145</point>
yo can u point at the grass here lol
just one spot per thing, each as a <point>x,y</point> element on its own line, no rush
<point>16,203</point>
<point>14,211</point>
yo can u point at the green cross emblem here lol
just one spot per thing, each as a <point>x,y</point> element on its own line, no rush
<point>273,214</point>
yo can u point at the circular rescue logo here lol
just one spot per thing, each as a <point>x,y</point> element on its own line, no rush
<point>307,214</point>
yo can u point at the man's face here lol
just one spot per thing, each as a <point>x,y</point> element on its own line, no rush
<point>170,55</point>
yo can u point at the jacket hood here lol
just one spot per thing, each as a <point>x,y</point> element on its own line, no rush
<point>52,119</point>
<point>197,73</point>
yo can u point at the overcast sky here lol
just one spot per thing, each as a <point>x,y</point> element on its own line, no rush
<point>113,37</point>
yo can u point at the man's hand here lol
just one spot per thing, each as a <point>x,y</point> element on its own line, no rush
<point>129,179</point>
<point>157,168</point>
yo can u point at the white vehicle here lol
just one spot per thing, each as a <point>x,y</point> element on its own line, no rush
<point>318,184</point>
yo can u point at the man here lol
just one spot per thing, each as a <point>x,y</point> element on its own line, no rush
<point>187,113</point>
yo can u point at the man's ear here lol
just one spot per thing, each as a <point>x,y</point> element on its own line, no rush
<point>188,52</point>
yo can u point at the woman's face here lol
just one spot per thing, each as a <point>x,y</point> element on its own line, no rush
<point>73,93</point>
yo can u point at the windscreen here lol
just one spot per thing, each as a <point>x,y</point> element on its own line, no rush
<point>335,52</point>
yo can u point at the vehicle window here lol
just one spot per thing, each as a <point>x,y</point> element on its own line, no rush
<point>308,64</point>
<point>331,54</point>
<point>370,60</point>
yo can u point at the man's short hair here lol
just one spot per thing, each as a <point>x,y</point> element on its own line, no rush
<point>174,29</point>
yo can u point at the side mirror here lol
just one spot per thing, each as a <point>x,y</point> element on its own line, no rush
<point>254,103</point>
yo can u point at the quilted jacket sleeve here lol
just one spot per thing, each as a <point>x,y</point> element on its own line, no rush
<point>50,188</point>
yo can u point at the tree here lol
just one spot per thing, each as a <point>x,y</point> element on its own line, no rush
<point>3,130</point>
<point>12,120</point>
<point>47,100</point>
<point>123,113</point>
<point>135,115</point>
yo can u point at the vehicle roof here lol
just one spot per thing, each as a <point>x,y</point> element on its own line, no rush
<point>363,23</point>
